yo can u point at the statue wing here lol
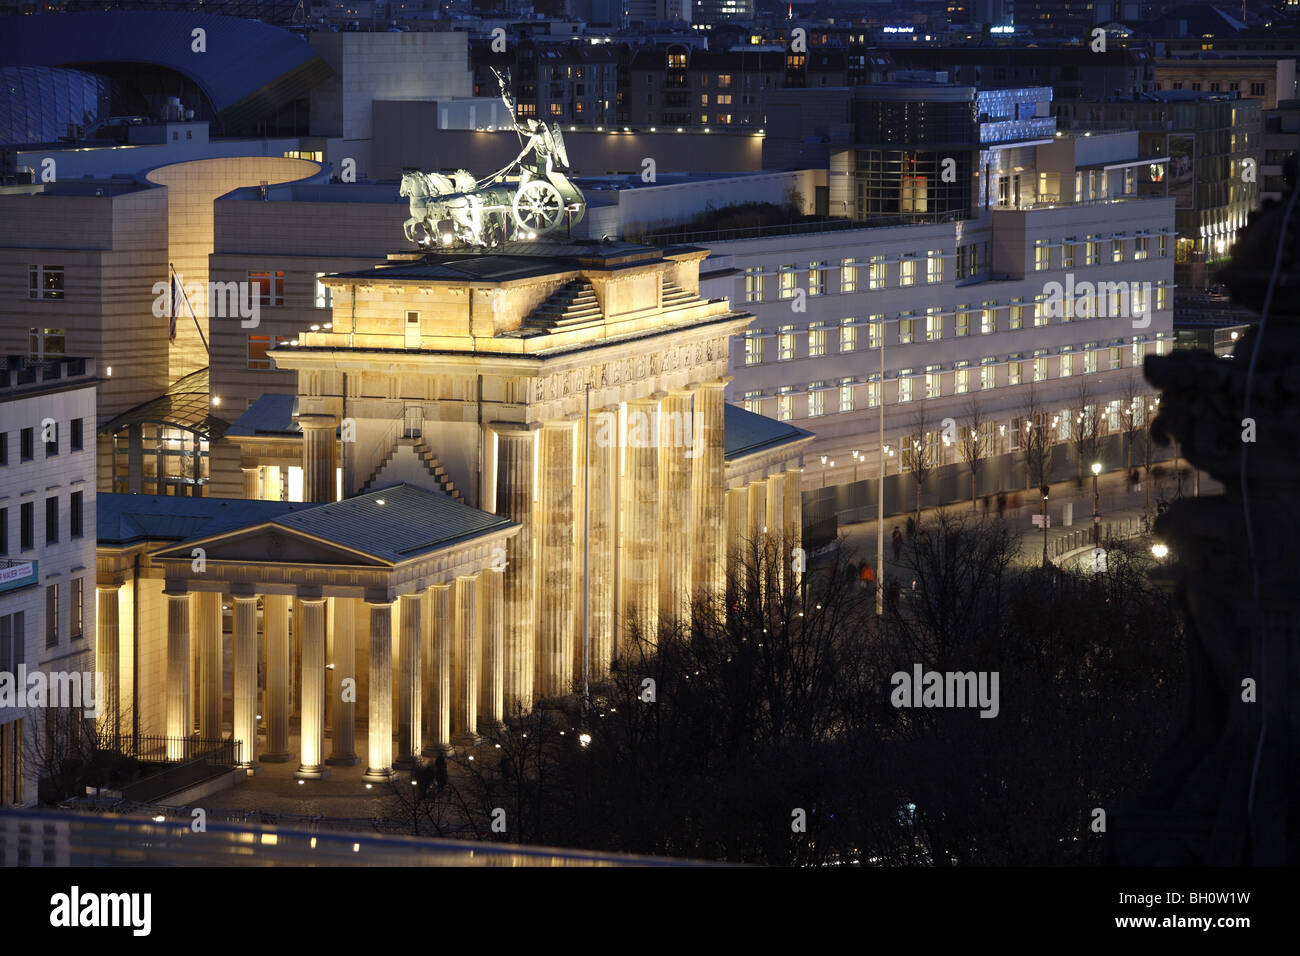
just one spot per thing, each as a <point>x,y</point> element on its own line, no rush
<point>557,143</point>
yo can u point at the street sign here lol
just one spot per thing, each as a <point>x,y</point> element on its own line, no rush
<point>1041,521</point>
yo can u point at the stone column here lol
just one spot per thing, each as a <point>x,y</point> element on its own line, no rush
<point>640,572</point>
<point>491,704</point>
<point>676,446</point>
<point>244,654</point>
<point>793,519</point>
<point>207,630</point>
<point>442,623</point>
<point>514,499</point>
<point>410,681</point>
<point>178,670</point>
<point>603,458</point>
<point>275,634</point>
<point>708,491</point>
<point>106,657</point>
<point>312,733</point>
<point>273,481</point>
<point>343,742</point>
<point>379,766</point>
<point>318,465</point>
<point>755,523</point>
<point>554,661</point>
<point>464,697</point>
<point>252,483</point>
<point>737,529</point>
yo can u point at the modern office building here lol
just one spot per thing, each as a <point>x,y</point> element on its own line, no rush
<point>971,321</point>
<point>1213,145</point>
<point>47,551</point>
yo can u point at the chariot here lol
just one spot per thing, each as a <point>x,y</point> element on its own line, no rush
<point>529,197</point>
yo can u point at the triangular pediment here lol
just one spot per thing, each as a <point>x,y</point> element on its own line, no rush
<point>272,544</point>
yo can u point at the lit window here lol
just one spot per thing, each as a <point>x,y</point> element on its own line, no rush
<point>269,286</point>
<point>753,347</point>
<point>906,329</point>
<point>1016,314</point>
<point>961,381</point>
<point>849,276</point>
<point>905,385</point>
<point>876,331</point>
<point>962,320</point>
<point>1067,365</point>
<point>754,284</point>
<point>754,402</point>
<point>1042,255</point>
<point>1014,371</point>
<point>933,324</point>
<point>789,280</point>
<point>907,270</point>
<point>785,403</point>
<point>45,282</point>
<point>934,266</point>
<point>815,278</point>
<point>848,335</point>
<point>324,294</point>
<point>988,374</point>
<point>1040,310</point>
<point>816,399</point>
<point>846,395</point>
<point>876,273</point>
<point>785,343</point>
<point>1067,253</point>
<point>988,320</point>
<point>816,339</point>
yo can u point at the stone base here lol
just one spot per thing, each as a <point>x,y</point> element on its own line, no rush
<point>309,773</point>
<point>284,757</point>
<point>407,762</point>
<point>378,776</point>
<point>432,750</point>
<point>468,740</point>
<point>351,760</point>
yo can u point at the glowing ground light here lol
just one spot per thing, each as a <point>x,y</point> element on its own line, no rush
<point>1161,551</point>
<point>584,739</point>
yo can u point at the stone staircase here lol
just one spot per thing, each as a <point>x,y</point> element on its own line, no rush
<point>572,304</point>
<point>675,296</point>
<point>427,462</point>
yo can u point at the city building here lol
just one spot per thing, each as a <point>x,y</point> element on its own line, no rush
<point>1269,79</point>
<point>47,549</point>
<point>1213,148</point>
<point>985,320</point>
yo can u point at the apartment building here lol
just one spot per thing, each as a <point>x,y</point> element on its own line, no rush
<point>47,545</point>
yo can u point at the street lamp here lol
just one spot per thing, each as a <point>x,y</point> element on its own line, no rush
<point>1096,501</point>
<point>1160,551</point>
<point>1045,491</point>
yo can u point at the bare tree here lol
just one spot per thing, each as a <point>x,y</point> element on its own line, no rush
<point>1129,417</point>
<point>1085,427</point>
<point>973,444</point>
<point>918,457</point>
<point>1037,442</point>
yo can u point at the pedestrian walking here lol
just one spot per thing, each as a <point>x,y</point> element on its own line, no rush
<point>1002,503</point>
<point>911,527</point>
<point>897,543</point>
<point>868,575</point>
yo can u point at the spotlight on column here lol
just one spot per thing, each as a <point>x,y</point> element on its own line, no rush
<point>159,819</point>
<point>584,739</point>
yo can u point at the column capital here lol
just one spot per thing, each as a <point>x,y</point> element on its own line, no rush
<point>317,421</point>
<point>310,596</point>
<point>176,589</point>
<point>520,428</point>
<point>108,588</point>
<point>243,592</point>
<point>379,600</point>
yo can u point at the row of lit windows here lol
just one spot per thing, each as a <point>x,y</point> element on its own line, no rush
<point>913,385</point>
<point>873,273</point>
<point>966,320</point>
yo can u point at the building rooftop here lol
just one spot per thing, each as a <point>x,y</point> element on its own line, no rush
<point>391,524</point>
<point>745,433</point>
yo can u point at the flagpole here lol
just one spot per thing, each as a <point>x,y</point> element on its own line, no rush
<point>186,299</point>
<point>586,551</point>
